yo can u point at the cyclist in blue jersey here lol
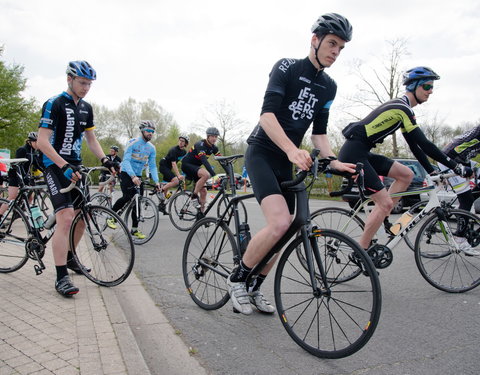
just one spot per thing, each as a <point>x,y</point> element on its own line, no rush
<point>66,118</point>
<point>139,154</point>
<point>299,92</point>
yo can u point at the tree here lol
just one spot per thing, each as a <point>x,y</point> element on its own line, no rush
<point>224,117</point>
<point>18,115</point>
<point>378,85</point>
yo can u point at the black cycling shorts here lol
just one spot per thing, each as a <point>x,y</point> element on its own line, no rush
<point>13,178</point>
<point>191,171</point>
<point>166,171</point>
<point>354,151</point>
<point>55,181</point>
<point>266,171</point>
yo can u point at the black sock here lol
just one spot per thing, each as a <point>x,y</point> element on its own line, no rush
<point>257,282</point>
<point>61,272</point>
<point>240,273</point>
<point>69,256</point>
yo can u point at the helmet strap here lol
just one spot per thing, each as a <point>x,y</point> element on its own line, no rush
<point>316,52</point>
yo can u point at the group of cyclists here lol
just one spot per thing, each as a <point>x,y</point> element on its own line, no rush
<point>299,93</point>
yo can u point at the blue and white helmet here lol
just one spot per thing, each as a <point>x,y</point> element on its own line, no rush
<point>81,69</point>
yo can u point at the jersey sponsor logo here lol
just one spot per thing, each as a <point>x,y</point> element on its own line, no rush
<point>68,140</point>
<point>81,111</point>
<point>305,106</point>
<point>304,79</point>
<point>285,64</point>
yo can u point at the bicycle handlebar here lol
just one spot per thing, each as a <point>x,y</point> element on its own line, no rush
<point>349,177</point>
<point>84,170</point>
<point>303,174</point>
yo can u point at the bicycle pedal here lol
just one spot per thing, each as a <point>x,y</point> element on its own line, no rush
<point>38,270</point>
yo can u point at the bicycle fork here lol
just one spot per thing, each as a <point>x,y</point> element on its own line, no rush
<point>312,251</point>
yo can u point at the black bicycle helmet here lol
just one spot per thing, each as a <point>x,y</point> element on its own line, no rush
<point>212,131</point>
<point>144,124</point>
<point>32,136</point>
<point>333,23</point>
<point>114,148</point>
<point>418,73</point>
<point>81,69</point>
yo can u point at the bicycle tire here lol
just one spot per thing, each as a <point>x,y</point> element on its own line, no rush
<point>181,212</point>
<point>440,264</point>
<point>101,199</point>
<point>13,238</point>
<point>242,210</point>
<point>147,220</point>
<point>336,257</point>
<point>208,259</point>
<point>338,319</point>
<point>108,253</point>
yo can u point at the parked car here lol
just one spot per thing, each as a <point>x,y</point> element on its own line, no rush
<point>419,181</point>
<point>215,182</point>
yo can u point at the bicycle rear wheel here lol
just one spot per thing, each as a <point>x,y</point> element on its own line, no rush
<point>148,218</point>
<point>14,233</point>
<point>208,259</point>
<point>439,262</point>
<point>181,211</point>
<point>328,319</point>
<point>109,253</point>
<point>242,210</point>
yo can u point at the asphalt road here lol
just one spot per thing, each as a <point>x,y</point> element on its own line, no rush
<point>422,330</point>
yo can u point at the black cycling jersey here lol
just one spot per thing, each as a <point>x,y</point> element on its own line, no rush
<point>465,146</point>
<point>33,156</point>
<point>68,122</point>
<point>388,118</point>
<point>199,154</point>
<point>113,158</point>
<point>297,94</point>
<point>175,154</point>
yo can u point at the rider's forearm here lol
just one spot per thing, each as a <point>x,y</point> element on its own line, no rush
<point>271,126</point>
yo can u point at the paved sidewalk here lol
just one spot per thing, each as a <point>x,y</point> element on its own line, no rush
<point>42,332</point>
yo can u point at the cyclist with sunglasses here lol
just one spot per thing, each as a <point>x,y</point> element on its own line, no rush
<point>139,154</point>
<point>365,134</point>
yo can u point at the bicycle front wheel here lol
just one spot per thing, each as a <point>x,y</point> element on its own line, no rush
<point>208,259</point>
<point>437,258</point>
<point>181,211</point>
<point>101,199</point>
<point>108,252</point>
<point>14,234</point>
<point>327,318</point>
<point>148,218</point>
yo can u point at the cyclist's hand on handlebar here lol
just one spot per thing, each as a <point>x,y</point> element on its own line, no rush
<point>112,166</point>
<point>301,158</point>
<point>343,167</point>
<point>463,171</point>
<point>137,181</point>
<point>158,187</point>
<point>181,178</point>
<point>72,172</point>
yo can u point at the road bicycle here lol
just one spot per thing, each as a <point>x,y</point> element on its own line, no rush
<point>327,318</point>
<point>164,201</point>
<point>437,254</point>
<point>184,211</point>
<point>104,256</point>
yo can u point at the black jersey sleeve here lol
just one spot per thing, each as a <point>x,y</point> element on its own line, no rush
<point>420,145</point>
<point>320,123</point>
<point>271,102</point>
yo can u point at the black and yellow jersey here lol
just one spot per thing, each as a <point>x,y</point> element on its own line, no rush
<point>383,121</point>
<point>465,146</point>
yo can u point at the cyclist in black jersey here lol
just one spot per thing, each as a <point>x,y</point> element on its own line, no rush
<point>105,175</point>
<point>168,164</point>
<point>193,161</point>
<point>363,135</point>
<point>66,118</point>
<point>299,92</point>
<point>462,149</point>
<point>29,152</point>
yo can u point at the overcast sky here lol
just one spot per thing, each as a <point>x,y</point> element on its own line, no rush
<point>189,54</point>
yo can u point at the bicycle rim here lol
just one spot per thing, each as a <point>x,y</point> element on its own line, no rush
<point>207,261</point>
<point>339,320</point>
<point>101,199</point>
<point>181,212</point>
<point>439,262</point>
<point>14,234</point>
<point>109,253</point>
<point>147,219</point>
<point>242,210</point>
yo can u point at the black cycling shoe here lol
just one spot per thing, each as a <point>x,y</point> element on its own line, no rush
<point>72,265</point>
<point>65,287</point>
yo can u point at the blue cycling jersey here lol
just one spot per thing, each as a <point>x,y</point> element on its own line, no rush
<point>138,155</point>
